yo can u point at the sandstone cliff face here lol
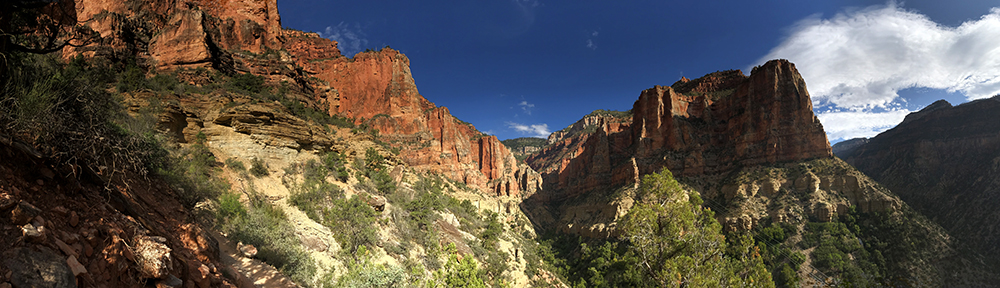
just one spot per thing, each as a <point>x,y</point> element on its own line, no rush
<point>179,34</point>
<point>375,88</point>
<point>943,161</point>
<point>708,125</point>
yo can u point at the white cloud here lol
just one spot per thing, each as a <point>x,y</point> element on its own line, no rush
<point>594,34</point>
<point>852,124</point>
<point>526,107</point>
<point>590,44</point>
<point>350,40</point>
<point>537,130</point>
<point>862,58</point>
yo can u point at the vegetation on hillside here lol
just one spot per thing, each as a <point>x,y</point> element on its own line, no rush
<point>667,239</point>
<point>517,144</point>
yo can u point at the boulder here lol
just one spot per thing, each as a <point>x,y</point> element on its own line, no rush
<point>770,187</point>
<point>246,249</point>
<point>153,257</point>
<point>808,183</point>
<point>38,268</point>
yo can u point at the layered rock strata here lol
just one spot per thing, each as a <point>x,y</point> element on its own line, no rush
<point>375,88</point>
<point>712,124</point>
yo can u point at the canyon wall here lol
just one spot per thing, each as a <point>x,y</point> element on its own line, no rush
<point>945,162</point>
<point>374,88</point>
<point>712,124</point>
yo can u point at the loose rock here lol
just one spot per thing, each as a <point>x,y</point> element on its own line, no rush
<point>23,213</point>
<point>34,234</point>
<point>75,266</point>
<point>73,219</point>
<point>247,249</point>
<point>6,201</point>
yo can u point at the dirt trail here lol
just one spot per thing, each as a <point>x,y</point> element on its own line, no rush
<point>258,272</point>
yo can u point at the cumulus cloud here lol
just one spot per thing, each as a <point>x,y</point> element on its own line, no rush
<point>350,39</point>
<point>860,59</point>
<point>536,130</point>
<point>526,107</point>
<point>857,61</point>
<point>852,124</point>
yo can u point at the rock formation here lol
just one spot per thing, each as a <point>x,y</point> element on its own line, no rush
<point>943,161</point>
<point>374,88</point>
<point>377,89</point>
<point>712,124</point>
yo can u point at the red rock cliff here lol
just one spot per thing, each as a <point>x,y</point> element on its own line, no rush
<point>378,89</point>
<point>374,87</point>
<point>713,124</point>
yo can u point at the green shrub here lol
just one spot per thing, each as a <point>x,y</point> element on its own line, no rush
<point>164,83</point>
<point>459,273</point>
<point>258,168</point>
<point>235,165</point>
<point>335,162</point>
<point>491,234</point>
<point>190,172</point>
<point>248,83</point>
<point>131,79</point>
<point>68,112</point>
<point>383,182</point>
<point>266,227</point>
<point>355,219</point>
<point>230,206</point>
<point>365,274</point>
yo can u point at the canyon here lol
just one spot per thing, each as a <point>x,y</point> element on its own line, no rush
<point>943,160</point>
<point>749,145</point>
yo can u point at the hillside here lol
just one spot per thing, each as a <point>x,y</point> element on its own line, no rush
<point>753,150</point>
<point>201,144</point>
<point>524,146</point>
<point>233,152</point>
<point>942,160</point>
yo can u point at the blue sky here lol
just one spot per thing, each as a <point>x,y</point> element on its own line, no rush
<point>517,68</point>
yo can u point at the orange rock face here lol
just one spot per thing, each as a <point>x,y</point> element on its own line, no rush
<point>375,88</point>
<point>182,42</point>
<point>713,124</point>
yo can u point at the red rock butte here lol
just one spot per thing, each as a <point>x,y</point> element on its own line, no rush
<point>374,88</point>
<point>712,124</point>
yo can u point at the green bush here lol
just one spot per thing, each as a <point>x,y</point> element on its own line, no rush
<point>68,112</point>
<point>230,206</point>
<point>258,168</point>
<point>266,227</point>
<point>235,165</point>
<point>335,163</point>
<point>248,83</point>
<point>131,79</point>
<point>459,273</point>
<point>363,273</point>
<point>190,172</point>
<point>491,234</point>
